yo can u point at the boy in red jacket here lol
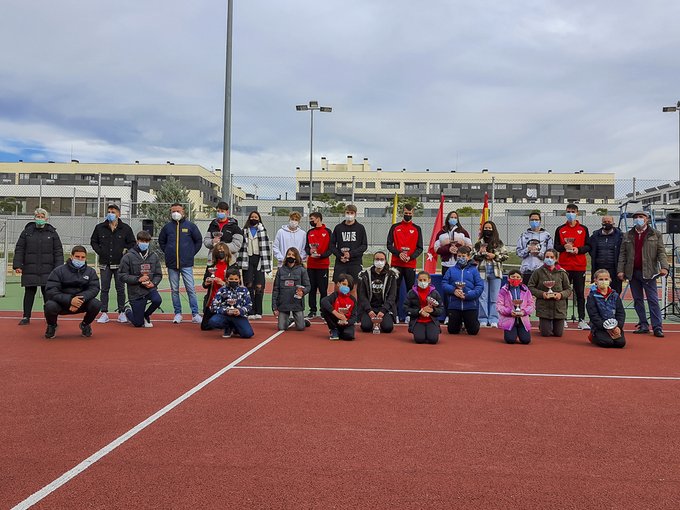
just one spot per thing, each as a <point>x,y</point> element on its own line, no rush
<point>318,248</point>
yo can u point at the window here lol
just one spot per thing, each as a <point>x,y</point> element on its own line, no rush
<point>389,185</point>
<point>501,186</point>
<point>517,187</point>
<point>370,185</point>
<point>359,185</point>
<point>475,186</point>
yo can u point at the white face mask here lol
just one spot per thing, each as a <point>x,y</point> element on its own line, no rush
<point>293,224</point>
<point>349,217</point>
<point>176,216</point>
<point>379,264</point>
<point>423,285</point>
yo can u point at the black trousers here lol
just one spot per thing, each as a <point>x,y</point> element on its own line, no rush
<point>344,332</point>
<point>518,332</point>
<point>105,276</point>
<point>408,276</point>
<point>602,339</point>
<point>253,279</point>
<point>318,281</point>
<point>53,310</point>
<point>353,269</point>
<point>578,285</point>
<point>29,299</point>
<point>459,317</point>
<point>551,327</point>
<point>425,332</point>
<point>386,326</point>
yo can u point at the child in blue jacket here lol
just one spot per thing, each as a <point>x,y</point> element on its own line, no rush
<point>463,306</point>
<point>231,306</point>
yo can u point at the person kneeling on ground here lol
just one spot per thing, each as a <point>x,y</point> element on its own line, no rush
<point>515,304</point>
<point>290,286</point>
<point>72,288</point>
<point>140,269</point>
<point>463,285</point>
<point>214,279</point>
<point>377,294</point>
<point>606,312</point>
<point>424,306</point>
<point>339,309</point>
<point>550,286</point>
<point>231,306</point>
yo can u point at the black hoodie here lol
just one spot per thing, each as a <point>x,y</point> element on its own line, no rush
<point>349,236</point>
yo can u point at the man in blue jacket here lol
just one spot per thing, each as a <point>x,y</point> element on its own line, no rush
<point>463,285</point>
<point>180,241</point>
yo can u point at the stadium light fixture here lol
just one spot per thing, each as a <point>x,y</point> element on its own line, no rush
<point>673,109</point>
<point>313,105</point>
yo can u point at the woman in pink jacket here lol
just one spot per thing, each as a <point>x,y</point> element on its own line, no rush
<point>513,318</point>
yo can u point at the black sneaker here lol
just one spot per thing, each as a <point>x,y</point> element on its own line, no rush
<point>658,332</point>
<point>307,323</point>
<point>311,315</point>
<point>86,330</point>
<point>24,321</point>
<point>641,330</point>
<point>334,335</point>
<point>51,331</point>
<point>227,333</point>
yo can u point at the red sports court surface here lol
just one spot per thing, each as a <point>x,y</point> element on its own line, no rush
<point>302,422</point>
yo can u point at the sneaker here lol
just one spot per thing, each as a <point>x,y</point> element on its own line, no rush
<point>334,335</point>
<point>658,332</point>
<point>122,318</point>
<point>407,319</point>
<point>641,330</point>
<point>177,319</point>
<point>566,325</point>
<point>197,319</point>
<point>24,321</point>
<point>311,315</point>
<point>493,325</point>
<point>307,323</point>
<point>86,330</point>
<point>103,318</point>
<point>446,320</point>
<point>51,331</point>
<point>582,324</point>
<point>147,323</point>
<point>257,317</point>
<point>227,333</point>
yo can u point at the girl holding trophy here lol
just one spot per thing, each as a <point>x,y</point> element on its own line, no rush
<point>515,304</point>
<point>214,279</point>
<point>606,312</point>
<point>550,286</point>
<point>424,306</point>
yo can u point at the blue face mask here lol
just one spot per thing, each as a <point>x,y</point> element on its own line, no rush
<point>461,261</point>
<point>111,217</point>
<point>640,222</point>
<point>453,221</point>
<point>77,263</point>
<point>571,216</point>
<point>549,262</point>
<point>535,223</point>
<point>143,246</point>
<point>344,289</point>
<point>221,216</point>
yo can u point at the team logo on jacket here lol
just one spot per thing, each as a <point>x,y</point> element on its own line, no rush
<point>85,277</point>
<point>411,231</point>
<point>323,235</point>
<point>579,232</point>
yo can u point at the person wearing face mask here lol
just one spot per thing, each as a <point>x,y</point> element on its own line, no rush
<point>140,269</point>
<point>490,253</point>
<point>451,237</point>
<point>424,306</point>
<point>605,248</point>
<point>405,244</point>
<point>571,241</point>
<point>224,229</point>
<point>231,307</point>
<point>377,294</point>
<point>291,283</point>
<point>515,323</point>
<point>290,236</point>
<point>604,304</point>
<point>38,251</point>
<point>180,241</point>
<point>72,288</point>
<point>349,243</point>
<point>643,258</point>
<point>551,302</point>
<point>214,279</point>
<point>110,240</point>
<point>255,260</point>
<point>531,246</point>
<point>339,309</point>
<point>463,285</point>
<point>318,247</point>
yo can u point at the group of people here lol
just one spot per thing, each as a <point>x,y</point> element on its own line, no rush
<point>552,271</point>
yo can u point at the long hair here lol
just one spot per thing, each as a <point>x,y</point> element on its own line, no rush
<point>296,254</point>
<point>495,241</point>
<point>458,229</point>
<point>221,247</point>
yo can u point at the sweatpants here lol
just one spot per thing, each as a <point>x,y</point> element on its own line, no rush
<point>53,310</point>
<point>425,332</point>
<point>318,281</point>
<point>551,327</point>
<point>344,332</point>
<point>518,331</point>
<point>386,326</point>
<point>138,311</point>
<point>459,317</point>
<point>29,299</point>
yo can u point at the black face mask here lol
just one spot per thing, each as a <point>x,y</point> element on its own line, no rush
<point>486,234</point>
<point>312,224</point>
<point>233,285</point>
<point>408,217</point>
<point>290,260</point>
<point>220,255</point>
<point>253,222</point>
<point>607,227</point>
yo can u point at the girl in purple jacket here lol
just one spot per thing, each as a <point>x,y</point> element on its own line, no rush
<point>513,318</point>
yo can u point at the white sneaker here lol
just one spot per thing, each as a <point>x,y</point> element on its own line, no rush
<point>103,318</point>
<point>197,319</point>
<point>582,324</point>
<point>566,324</point>
<point>407,319</point>
<point>148,324</point>
<point>257,317</point>
<point>177,319</point>
<point>494,324</point>
<point>122,318</point>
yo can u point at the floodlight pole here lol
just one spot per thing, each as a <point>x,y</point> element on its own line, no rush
<point>313,105</point>
<point>671,109</point>
<point>226,147</point>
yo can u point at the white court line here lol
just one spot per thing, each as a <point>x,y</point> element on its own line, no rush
<point>51,487</point>
<point>462,372</point>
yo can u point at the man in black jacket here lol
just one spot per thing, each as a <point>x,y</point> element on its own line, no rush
<point>110,240</point>
<point>72,288</point>
<point>605,247</point>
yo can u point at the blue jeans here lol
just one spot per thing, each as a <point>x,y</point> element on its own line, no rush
<point>138,310</point>
<point>188,278</point>
<point>231,323</point>
<point>487,301</point>
<point>637,286</point>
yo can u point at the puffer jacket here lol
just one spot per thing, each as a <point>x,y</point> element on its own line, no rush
<point>285,284</point>
<point>600,308</point>
<point>180,242</point>
<point>133,265</point>
<point>605,250</point>
<point>66,282</point>
<point>505,307</point>
<point>550,308</point>
<point>653,254</point>
<point>37,253</point>
<point>364,292</point>
<point>474,286</point>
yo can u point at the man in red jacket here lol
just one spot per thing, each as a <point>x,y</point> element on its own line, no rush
<point>572,242</point>
<point>405,243</point>
<point>318,248</point>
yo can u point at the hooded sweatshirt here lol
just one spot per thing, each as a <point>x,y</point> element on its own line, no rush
<point>286,239</point>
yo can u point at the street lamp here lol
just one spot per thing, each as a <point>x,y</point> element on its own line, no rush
<point>313,105</point>
<point>671,109</point>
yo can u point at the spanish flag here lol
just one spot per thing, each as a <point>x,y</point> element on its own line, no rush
<point>485,213</point>
<point>395,206</point>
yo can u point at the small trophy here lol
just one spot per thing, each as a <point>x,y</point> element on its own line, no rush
<point>461,285</point>
<point>482,249</point>
<point>549,284</point>
<point>405,249</point>
<point>518,305</point>
<point>297,289</point>
<point>231,308</point>
<point>314,248</point>
<point>534,247</point>
<point>376,324</point>
<point>610,324</point>
<point>212,270</point>
<point>433,302</point>
<point>569,243</point>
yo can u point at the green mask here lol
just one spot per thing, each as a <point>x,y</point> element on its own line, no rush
<point>40,223</point>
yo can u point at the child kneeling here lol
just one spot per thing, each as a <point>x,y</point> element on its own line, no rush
<point>231,306</point>
<point>424,307</point>
<point>606,312</point>
<point>339,309</point>
<point>515,304</point>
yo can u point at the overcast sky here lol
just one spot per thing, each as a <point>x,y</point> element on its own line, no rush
<point>439,84</point>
